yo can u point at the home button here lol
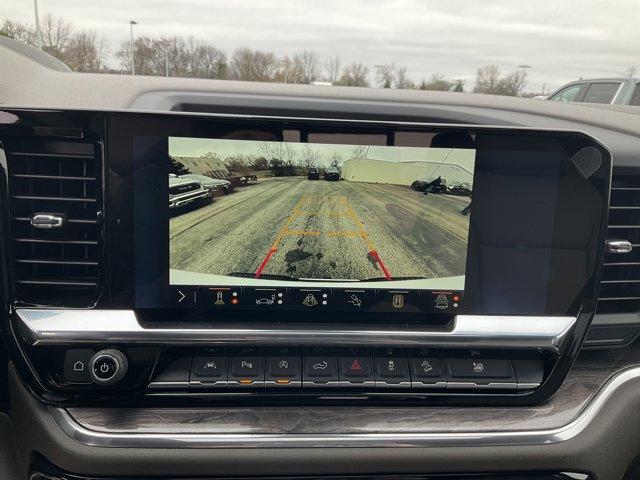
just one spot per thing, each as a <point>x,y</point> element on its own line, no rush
<point>76,365</point>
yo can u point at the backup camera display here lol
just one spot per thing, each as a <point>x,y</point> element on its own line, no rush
<point>310,213</point>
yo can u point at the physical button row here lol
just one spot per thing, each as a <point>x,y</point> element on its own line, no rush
<point>352,368</point>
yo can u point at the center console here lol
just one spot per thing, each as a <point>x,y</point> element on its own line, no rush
<point>171,258</point>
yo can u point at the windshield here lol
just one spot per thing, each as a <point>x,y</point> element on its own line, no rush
<point>528,49</point>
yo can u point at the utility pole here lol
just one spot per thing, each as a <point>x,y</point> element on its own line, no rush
<point>524,74</point>
<point>133,65</point>
<point>38,31</point>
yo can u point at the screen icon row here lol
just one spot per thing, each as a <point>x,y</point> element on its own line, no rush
<point>314,299</point>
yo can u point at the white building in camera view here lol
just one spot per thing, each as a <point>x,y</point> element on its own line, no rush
<point>454,166</point>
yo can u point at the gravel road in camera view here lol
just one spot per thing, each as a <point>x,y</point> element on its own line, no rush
<point>322,229</point>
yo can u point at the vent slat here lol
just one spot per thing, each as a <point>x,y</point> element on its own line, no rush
<point>56,262</point>
<point>620,284</point>
<point>69,220</point>
<point>48,240</point>
<point>53,177</point>
<point>58,266</point>
<point>53,199</point>
<point>73,156</point>
<point>66,283</point>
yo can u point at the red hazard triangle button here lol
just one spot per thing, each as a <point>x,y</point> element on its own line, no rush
<point>356,365</point>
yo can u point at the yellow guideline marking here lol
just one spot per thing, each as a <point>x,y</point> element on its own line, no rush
<point>285,227</point>
<point>359,224</point>
<point>345,233</point>
<point>301,232</point>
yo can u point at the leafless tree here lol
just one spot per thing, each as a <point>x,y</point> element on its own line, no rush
<point>21,32</point>
<point>354,75</point>
<point>85,52</point>
<point>309,64</point>
<point>332,68</point>
<point>204,60</point>
<point>174,56</point>
<point>631,71</point>
<point>488,80</point>
<point>260,163</point>
<point>384,75</point>
<point>393,76</point>
<point>513,84</point>
<point>336,160</point>
<point>360,151</point>
<point>56,35</point>
<point>310,157</point>
<point>253,65</point>
<point>437,82</point>
<point>282,151</point>
<point>401,79</point>
<point>303,68</point>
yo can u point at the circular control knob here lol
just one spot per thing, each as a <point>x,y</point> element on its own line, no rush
<point>108,366</point>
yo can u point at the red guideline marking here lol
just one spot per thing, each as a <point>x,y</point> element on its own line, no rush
<point>377,258</point>
<point>265,261</point>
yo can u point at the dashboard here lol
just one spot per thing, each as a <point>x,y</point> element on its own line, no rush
<point>243,281</point>
<point>489,294</point>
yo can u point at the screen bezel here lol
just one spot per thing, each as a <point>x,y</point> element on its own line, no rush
<point>123,127</point>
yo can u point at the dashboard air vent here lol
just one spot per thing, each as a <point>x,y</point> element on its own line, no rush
<point>620,287</point>
<point>55,206</point>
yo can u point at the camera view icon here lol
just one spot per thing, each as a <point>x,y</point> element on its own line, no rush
<point>266,301</point>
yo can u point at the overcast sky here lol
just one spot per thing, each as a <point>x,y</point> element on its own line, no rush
<point>561,39</point>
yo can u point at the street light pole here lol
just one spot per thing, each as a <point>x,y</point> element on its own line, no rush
<point>38,31</point>
<point>133,65</point>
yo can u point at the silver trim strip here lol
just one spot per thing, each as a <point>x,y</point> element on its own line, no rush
<point>67,327</point>
<point>353,440</point>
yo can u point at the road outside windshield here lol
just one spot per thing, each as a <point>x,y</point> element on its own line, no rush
<point>305,212</point>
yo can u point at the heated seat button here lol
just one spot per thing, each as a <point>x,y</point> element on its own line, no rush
<point>76,365</point>
<point>479,367</point>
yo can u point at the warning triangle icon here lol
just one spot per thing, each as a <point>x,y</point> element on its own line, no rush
<point>356,365</point>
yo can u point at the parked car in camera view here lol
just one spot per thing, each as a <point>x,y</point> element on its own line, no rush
<point>332,173</point>
<point>313,174</point>
<point>184,191</point>
<point>214,185</point>
<point>617,91</point>
<point>430,185</point>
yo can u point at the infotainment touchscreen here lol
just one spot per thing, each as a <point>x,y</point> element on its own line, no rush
<point>373,220</point>
<point>318,217</point>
